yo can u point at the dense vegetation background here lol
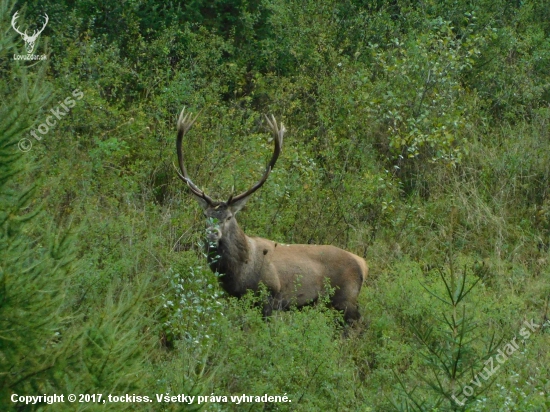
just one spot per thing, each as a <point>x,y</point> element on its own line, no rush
<point>418,137</point>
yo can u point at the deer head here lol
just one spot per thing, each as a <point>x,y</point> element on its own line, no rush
<point>29,40</point>
<point>221,215</point>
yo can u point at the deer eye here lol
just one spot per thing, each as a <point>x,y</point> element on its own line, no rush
<point>229,218</point>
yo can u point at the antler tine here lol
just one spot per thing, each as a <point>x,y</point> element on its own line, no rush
<point>185,121</point>
<point>278,134</point>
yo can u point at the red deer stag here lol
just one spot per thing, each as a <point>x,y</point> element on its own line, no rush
<point>293,274</point>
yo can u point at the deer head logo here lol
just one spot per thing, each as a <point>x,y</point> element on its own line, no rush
<point>29,40</point>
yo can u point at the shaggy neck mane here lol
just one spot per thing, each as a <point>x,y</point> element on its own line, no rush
<point>232,250</point>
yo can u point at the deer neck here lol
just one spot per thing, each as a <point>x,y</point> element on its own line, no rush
<point>231,252</point>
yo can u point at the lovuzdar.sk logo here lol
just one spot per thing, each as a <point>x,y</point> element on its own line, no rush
<point>30,41</point>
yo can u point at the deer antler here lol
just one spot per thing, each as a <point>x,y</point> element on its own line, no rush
<point>37,32</point>
<point>185,121</point>
<point>25,35</point>
<point>278,133</point>
<point>15,17</point>
<point>184,124</point>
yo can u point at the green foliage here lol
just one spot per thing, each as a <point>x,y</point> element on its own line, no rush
<point>192,302</point>
<point>49,343</point>
<point>28,300</point>
<point>448,348</point>
<point>420,97</point>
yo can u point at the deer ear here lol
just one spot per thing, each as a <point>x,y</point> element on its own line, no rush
<point>203,203</point>
<point>238,205</point>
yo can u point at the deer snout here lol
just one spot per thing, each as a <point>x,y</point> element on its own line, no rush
<point>213,234</point>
